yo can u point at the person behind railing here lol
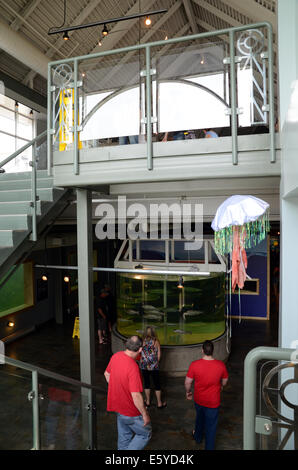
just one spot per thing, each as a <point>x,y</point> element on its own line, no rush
<point>210,134</point>
<point>128,139</point>
<point>125,397</point>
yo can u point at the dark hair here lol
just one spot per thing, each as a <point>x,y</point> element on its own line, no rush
<point>134,343</point>
<point>208,347</point>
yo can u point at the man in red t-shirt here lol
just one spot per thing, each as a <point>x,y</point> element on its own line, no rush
<point>125,397</point>
<point>209,376</point>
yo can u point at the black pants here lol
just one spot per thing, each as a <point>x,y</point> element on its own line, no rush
<point>154,374</point>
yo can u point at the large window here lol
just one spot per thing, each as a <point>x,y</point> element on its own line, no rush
<point>16,129</point>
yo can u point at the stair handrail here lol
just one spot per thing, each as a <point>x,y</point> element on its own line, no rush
<point>22,149</point>
<point>34,395</point>
<point>33,177</point>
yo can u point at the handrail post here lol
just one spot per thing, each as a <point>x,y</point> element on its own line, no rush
<point>34,194</point>
<point>49,123</point>
<point>233,100</point>
<point>148,110</point>
<point>35,409</point>
<point>75,119</point>
<point>271,95</point>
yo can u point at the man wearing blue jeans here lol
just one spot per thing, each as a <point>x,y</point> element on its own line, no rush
<point>209,376</point>
<point>125,397</point>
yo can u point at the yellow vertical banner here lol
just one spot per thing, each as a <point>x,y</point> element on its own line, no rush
<point>66,119</point>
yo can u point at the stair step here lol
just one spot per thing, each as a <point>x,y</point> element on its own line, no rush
<point>44,194</point>
<point>25,183</point>
<point>21,207</point>
<point>8,237</point>
<point>22,175</point>
<point>15,222</point>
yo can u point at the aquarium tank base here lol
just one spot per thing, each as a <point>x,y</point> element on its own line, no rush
<point>176,359</point>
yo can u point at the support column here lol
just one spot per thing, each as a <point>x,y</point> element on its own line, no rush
<point>86,315</point>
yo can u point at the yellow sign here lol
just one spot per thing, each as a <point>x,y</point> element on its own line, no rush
<point>66,119</point>
<point>76,328</point>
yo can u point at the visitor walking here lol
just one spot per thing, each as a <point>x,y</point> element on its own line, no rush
<point>149,363</point>
<point>209,376</point>
<point>125,397</point>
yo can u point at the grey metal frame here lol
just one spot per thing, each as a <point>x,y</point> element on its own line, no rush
<point>233,93</point>
<point>250,386</point>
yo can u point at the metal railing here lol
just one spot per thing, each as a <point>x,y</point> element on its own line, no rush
<point>33,164</point>
<point>36,397</point>
<point>281,414</point>
<point>147,74</point>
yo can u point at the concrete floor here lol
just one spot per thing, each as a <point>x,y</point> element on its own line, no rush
<point>52,347</point>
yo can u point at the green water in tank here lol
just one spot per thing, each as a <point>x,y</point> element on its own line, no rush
<point>181,316</point>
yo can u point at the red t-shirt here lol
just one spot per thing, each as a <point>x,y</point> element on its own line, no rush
<point>125,378</point>
<point>207,376</point>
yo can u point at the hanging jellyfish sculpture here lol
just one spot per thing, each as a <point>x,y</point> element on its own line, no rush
<point>240,222</point>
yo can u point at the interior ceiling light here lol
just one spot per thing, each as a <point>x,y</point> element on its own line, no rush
<point>65,36</point>
<point>65,31</point>
<point>147,21</point>
<point>66,279</point>
<point>105,31</point>
<point>44,277</point>
<point>10,324</point>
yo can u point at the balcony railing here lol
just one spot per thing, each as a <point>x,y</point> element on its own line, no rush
<point>182,86</point>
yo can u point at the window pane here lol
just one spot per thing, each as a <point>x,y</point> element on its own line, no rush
<point>7,102</point>
<point>7,121</point>
<point>24,128</point>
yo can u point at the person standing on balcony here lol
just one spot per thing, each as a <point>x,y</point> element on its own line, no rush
<point>125,397</point>
<point>209,376</point>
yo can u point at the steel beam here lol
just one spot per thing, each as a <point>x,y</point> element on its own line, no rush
<point>86,315</point>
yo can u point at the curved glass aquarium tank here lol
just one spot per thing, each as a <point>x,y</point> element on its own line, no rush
<point>181,315</point>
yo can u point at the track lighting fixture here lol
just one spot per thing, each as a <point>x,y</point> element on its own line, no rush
<point>65,36</point>
<point>147,21</point>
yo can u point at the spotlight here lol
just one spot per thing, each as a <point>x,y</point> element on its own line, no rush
<point>180,284</point>
<point>147,21</point>
<point>10,324</point>
<point>65,36</point>
<point>105,31</point>
<point>99,43</point>
<point>16,104</point>
<point>83,74</point>
<point>44,277</point>
<point>31,112</point>
<point>66,279</point>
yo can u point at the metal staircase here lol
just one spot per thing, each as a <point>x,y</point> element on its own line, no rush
<point>29,203</point>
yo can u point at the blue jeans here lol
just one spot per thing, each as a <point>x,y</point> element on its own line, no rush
<point>206,423</point>
<point>132,434</point>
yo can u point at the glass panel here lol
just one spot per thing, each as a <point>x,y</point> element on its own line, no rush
<point>60,415</point>
<point>188,256</point>
<point>193,74</point>
<point>186,315</point>
<point>150,250</point>
<point>16,430</point>
<point>252,80</point>
<point>17,292</point>
<point>110,93</point>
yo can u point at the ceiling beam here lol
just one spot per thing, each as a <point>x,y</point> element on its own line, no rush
<point>253,10</point>
<point>190,16</point>
<point>117,32</point>
<point>84,13</point>
<point>26,11</point>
